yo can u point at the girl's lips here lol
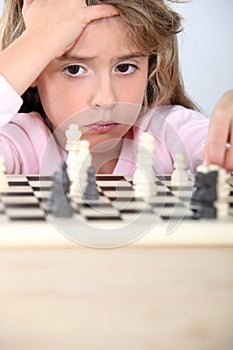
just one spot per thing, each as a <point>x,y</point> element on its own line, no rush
<point>102,126</point>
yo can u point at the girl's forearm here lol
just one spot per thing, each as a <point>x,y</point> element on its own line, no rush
<point>24,60</point>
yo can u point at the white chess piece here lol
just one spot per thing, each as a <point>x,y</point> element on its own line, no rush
<point>79,169</point>
<point>203,168</point>
<point>3,179</point>
<point>223,190</point>
<point>143,178</point>
<point>72,146</point>
<point>73,135</point>
<point>179,176</point>
<point>72,160</point>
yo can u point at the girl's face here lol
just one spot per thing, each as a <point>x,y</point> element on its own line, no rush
<point>102,75</point>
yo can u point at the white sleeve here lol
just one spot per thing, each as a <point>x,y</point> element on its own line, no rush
<point>10,101</point>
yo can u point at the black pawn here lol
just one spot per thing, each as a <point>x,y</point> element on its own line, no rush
<point>58,201</point>
<point>91,191</point>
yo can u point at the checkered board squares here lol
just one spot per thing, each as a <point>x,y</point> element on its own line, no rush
<point>20,201</point>
<point>26,197</point>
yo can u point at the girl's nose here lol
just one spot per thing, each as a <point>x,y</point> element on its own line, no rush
<point>104,93</point>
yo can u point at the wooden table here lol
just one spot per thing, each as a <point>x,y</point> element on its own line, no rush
<point>135,297</point>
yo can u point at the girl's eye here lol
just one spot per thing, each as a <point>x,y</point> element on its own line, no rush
<point>126,68</point>
<point>74,70</point>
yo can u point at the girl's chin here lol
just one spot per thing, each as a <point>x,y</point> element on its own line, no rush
<point>103,143</point>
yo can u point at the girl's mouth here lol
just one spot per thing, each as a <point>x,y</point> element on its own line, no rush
<point>102,127</point>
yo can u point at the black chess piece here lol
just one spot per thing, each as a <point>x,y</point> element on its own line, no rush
<point>205,194</point>
<point>58,203</point>
<point>65,178</point>
<point>91,191</point>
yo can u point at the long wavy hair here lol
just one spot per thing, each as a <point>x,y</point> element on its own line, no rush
<point>153,27</point>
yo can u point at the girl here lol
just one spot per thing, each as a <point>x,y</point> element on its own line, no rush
<point>116,62</point>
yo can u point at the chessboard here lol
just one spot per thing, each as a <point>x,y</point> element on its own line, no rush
<point>166,218</point>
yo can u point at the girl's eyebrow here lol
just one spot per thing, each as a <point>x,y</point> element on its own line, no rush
<point>70,57</point>
<point>130,56</point>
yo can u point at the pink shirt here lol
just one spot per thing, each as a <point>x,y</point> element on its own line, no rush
<point>28,147</point>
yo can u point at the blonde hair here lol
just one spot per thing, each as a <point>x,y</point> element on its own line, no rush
<point>11,22</point>
<point>153,28</point>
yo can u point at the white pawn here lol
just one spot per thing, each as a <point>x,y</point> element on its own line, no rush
<point>3,179</point>
<point>179,176</point>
